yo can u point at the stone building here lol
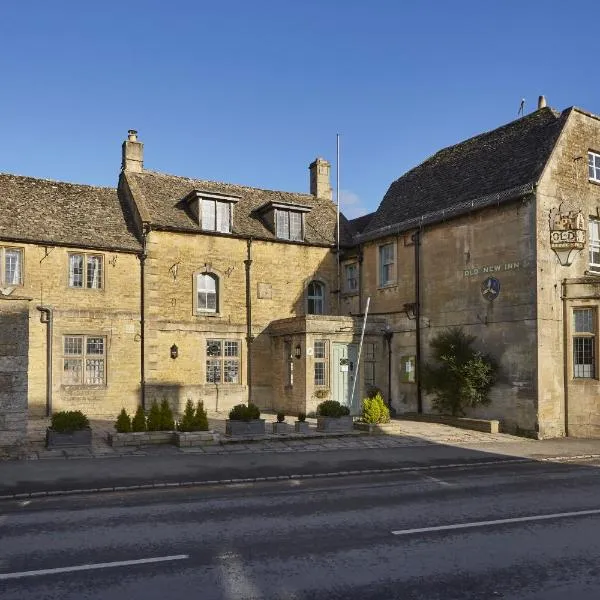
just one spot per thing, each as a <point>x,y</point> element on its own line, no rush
<point>177,288</point>
<point>503,231</point>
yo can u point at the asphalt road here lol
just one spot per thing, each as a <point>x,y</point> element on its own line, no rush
<point>520,531</point>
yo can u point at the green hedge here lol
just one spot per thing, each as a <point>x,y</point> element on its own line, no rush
<point>332,408</point>
<point>69,420</point>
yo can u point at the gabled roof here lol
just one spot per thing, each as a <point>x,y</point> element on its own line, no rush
<point>162,198</point>
<point>491,165</point>
<point>359,224</point>
<point>58,213</point>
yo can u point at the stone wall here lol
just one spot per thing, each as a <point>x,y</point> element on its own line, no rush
<point>14,346</point>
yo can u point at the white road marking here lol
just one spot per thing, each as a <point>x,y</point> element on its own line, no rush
<point>25,502</point>
<point>92,566</point>
<point>435,479</point>
<point>564,515</point>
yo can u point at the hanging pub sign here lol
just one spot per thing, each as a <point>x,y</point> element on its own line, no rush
<point>567,234</point>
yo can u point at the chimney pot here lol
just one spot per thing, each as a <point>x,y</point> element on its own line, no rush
<point>541,102</point>
<point>132,135</point>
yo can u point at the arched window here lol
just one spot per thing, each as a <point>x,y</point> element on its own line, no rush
<point>316,298</point>
<point>207,288</point>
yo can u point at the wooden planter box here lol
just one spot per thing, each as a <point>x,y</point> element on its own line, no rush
<point>373,428</point>
<point>68,439</point>
<point>301,427</point>
<point>334,424</point>
<point>140,438</point>
<point>254,427</point>
<point>280,428</point>
<point>185,439</point>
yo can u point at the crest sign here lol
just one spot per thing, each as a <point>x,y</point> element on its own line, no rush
<point>567,234</point>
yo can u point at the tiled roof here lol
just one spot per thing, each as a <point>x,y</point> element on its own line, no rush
<point>162,198</point>
<point>506,158</point>
<point>56,213</point>
<point>359,224</point>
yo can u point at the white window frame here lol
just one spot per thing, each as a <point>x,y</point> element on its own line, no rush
<point>78,359</point>
<point>321,362</point>
<point>387,264</point>
<point>88,281</point>
<point>203,308</point>
<point>219,219</point>
<point>283,225</point>
<point>584,344</point>
<point>315,298</point>
<point>4,251</point>
<point>349,277</point>
<point>220,360</point>
<point>594,244</point>
<point>594,166</point>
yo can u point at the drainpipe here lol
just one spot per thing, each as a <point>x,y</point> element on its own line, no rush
<point>249,336</point>
<point>46,317</point>
<point>143,257</point>
<point>388,334</point>
<point>417,242</point>
<point>566,358</point>
<point>360,277</point>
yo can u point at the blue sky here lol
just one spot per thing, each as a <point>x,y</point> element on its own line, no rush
<point>251,91</point>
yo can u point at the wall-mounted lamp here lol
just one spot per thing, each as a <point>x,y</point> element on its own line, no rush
<point>174,351</point>
<point>410,310</point>
<point>298,351</point>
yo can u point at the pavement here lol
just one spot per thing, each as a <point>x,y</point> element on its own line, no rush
<point>408,446</point>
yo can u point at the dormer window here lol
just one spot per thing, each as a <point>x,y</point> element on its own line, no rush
<point>214,212</point>
<point>286,221</point>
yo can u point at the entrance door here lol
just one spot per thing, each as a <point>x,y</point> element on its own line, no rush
<point>344,370</point>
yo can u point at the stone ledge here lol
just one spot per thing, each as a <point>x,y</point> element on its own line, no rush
<point>485,425</point>
<point>140,438</point>
<point>375,428</point>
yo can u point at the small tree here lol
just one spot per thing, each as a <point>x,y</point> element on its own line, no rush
<point>374,410</point>
<point>166,416</point>
<point>154,421</point>
<point>123,422</point>
<point>461,376</point>
<point>138,423</point>
<point>200,418</point>
<point>187,420</point>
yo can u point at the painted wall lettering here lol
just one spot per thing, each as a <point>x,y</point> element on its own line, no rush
<point>497,268</point>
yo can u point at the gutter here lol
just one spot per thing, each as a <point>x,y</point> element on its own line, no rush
<point>46,317</point>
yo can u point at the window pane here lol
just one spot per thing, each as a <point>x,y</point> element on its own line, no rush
<point>94,272</point>
<point>295,226</point>
<point>94,371</point>
<point>207,293</point>
<point>213,348</point>
<point>73,345</point>
<point>76,270</point>
<point>72,371</point>
<point>316,300</point>
<point>369,351</point>
<point>319,373</point>
<point>319,349</point>
<point>208,215</point>
<point>282,224</point>
<point>231,371</point>
<point>223,217</point>
<point>95,345</point>
<point>351,277</point>
<point>231,348</point>
<point>583,359</point>
<point>12,267</point>
<point>583,321</point>
<point>213,371</point>
<point>369,373</point>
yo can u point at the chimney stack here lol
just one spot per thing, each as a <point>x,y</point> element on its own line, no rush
<point>132,153</point>
<point>541,102</point>
<point>320,185</point>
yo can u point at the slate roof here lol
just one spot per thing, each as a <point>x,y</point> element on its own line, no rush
<point>58,213</point>
<point>359,224</point>
<point>160,198</point>
<point>511,157</point>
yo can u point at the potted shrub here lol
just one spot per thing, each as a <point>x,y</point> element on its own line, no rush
<point>245,420</point>
<point>280,426</point>
<point>192,430</point>
<point>333,417</point>
<point>68,428</point>
<point>301,426</point>
<point>375,413</point>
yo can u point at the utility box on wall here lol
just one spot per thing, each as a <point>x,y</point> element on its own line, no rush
<point>407,369</point>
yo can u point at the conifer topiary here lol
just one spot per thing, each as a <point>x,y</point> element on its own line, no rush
<point>138,423</point>
<point>200,418</point>
<point>166,416</point>
<point>154,421</point>
<point>187,419</point>
<point>123,422</point>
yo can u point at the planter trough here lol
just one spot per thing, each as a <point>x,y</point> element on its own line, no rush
<point>280,427</point>
<point>239,428</point>
<point>186,439</point>
<point>140,438</point>
<point>66,439</point>
<point>301,427</point>
<point>374,428</point>
<point>334,424</point>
